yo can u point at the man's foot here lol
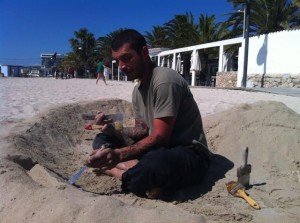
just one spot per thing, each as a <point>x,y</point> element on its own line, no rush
<point>114,172</point>
<point>154,193</point>
<point>127,164</point>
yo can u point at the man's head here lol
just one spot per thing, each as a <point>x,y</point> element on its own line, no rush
<point>134,38</point>
<point>130,51</point>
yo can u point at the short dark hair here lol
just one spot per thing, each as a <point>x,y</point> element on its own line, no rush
<point>131,36</point>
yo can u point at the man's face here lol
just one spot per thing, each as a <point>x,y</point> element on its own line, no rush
<point>130,62</point>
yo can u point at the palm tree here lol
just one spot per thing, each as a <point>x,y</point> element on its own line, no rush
<point>71,60</point>
<point>84,46</point>
<point>182,31</point>
<point>157,38</point>
<point>104,44</point>
<point>209,31</point>
<point>265,16</point>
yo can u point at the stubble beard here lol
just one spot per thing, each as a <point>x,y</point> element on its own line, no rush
<point>138,71</point>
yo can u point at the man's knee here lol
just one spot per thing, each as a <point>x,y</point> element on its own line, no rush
<point>99,140</point>
<point>110,141</point>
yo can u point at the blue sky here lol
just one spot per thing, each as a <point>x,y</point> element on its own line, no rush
<point>31,27</point>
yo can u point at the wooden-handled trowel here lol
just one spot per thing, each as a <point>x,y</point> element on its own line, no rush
<point>243,172</point>
<point>116,116</point>
<point>116,123</point>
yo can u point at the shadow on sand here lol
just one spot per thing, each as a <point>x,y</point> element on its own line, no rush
<point>220,165</point>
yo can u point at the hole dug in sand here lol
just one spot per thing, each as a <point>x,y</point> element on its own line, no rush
<point>57,141</point>
<point>57,145</point>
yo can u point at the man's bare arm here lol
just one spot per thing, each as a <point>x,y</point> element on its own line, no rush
<point>163,128</point>
<point>138,132</point>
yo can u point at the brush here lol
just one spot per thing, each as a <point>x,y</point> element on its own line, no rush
<point>238,190</point>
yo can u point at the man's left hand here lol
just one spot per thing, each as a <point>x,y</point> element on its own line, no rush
<point>103,158</point>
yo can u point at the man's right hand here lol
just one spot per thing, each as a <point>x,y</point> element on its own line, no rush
<point>101,119</point>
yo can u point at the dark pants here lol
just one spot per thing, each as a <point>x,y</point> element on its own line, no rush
<point>165,168</point>
<point>110,141</point>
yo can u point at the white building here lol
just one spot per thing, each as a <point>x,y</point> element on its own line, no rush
<point>273,60</point>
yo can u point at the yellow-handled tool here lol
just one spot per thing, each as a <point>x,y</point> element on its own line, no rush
<point>238,190</point>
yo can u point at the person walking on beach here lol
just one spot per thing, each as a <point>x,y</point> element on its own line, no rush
<point>100,69</point>
<point>170,149</point>
<point>106,70</point>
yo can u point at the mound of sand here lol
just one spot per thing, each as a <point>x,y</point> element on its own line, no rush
<point>57,143</point>
<point>270,130</point>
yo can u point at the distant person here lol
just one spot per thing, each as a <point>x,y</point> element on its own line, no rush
<point>100,69</point>
<point>70,72</point>
<point>56,74</point>
<point>107,70</point>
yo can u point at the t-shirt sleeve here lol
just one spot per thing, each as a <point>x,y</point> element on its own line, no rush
<point>167,97</point>
<point>135,107</point>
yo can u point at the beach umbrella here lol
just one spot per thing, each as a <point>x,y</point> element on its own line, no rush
<point>162,62</point>
<point>227,61</point>
<point>174,62</point>
<point>169,62</point>
<point>178,64</point>
<point>195,62</point>
<point>195,66</point>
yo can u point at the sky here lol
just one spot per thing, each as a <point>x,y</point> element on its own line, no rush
<point>31,27</point>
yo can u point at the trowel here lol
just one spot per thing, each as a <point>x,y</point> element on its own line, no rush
<point>76,175</point>
<point>117,116</point>
<point>243,172</point>
<point>117,123</point>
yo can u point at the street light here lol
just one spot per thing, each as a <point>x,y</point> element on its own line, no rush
<point>246,38</point>
<point>85,68</point>
<point>244,20</point>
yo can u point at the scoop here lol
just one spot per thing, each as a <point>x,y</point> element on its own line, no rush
<point>238,190</point>
<point>243,172</point>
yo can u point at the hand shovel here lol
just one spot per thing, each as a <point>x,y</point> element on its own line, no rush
<point>238,190</point>
<point>117,120</point>
<point>243,172</point>
<point>116,116</point>
<point>76,175</point>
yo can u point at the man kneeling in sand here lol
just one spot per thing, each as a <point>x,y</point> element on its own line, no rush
<point>170,149</point>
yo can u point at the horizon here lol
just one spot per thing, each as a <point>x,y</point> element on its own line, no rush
<point>30,28</point>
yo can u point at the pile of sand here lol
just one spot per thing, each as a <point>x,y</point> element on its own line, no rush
<point>57,143</point>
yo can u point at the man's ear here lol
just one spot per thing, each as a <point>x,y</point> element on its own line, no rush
<point>145,51</point>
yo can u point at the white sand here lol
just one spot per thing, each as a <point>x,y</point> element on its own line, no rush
<point>28,197</point>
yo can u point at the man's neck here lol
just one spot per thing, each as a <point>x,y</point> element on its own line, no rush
<point>148,72</point>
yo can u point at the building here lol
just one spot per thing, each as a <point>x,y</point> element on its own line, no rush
<point>12,70</point>
<point>272,61</point>
<point>49,60</point>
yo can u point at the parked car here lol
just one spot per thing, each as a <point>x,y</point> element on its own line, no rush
<point>34,73</point>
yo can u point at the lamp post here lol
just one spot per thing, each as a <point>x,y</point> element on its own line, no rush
<point>244,19</point>
<point>246,38</point>
<point>84,52</point>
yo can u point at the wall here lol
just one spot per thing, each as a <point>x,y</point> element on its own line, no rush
<point>273,60</point>
<point>4,70</point>
<point>226,79</point>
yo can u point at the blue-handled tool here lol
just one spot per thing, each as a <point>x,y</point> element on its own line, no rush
<point>76,176</point>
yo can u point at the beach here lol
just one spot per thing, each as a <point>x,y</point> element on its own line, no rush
<point>43,143</point>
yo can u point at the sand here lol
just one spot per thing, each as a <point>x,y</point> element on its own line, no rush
<point>43,142</point>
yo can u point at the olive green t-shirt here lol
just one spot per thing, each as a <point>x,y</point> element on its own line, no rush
<point>100,67</point>
<point>167,94</point>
